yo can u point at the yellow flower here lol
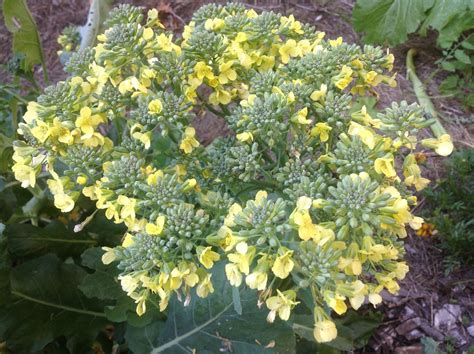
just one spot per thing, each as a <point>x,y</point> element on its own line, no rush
<point>148,33</point>
<point>344,78</point>
<point>442,145</point>
<point>364,133</point>
<point>63,202</point>
<point>319,94</point>
<point>127,240</point>
<point>205,287</point>
<point>88,122</point>
<point>220,96</point>
<point>166,44</point>
<point>364,117</point>
<point>335,42</point>
<point>325,331</point>
<point>25,174</point>
<point>226,73</point>
<point>288,50</point>
<point>128,207</point>
<point>385,165</point>
<point>189,143</point>
<point>336,302</point>
<point>300,116</point>
<point>281,305</point>
<point>243,257</point>
<point>257,280</point>
<point>214,24</point>
<point>322,130</point>
<point>40,131</point>
<point>416,223</point>
<point>155,106</point>
<point>233,274</point>
<point>245,136</point>
<point>306,228</point>
<point>203,70</point>
<point>157,227</point>
<point>207,256</point>
<point>283,265</point>
<point>233,211</point>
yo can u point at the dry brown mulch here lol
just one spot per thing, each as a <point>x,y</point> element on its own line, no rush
<point>430,303</point>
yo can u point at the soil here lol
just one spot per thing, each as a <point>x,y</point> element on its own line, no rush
<point>430,303</point>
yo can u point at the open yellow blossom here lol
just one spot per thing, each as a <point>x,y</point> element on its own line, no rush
<point>322,130</point>
<point>226,73</point>
<point>288,50</point>
<point>344,78</point>
<point>207,256</point>
<point>281,305</point>
<point>205,287</point>
<point>319,94</point>
<point>336,302</point>
<point>245,136</point>
<point>156,228</point>
<point>325,331</point>
<point>189,142</point>
<point>155,106</point>
<point>243,257</point>
<point>384,165</point>
<point>300,117</point>
<point>203,70</point>
<point>214,24</point>
<point>257,280</point>
<point>220,96</point>
<point>233,274</point>
<point>283,265</point>
<point>335,42</point>
<point>442,145</point>
<point>365,134</point>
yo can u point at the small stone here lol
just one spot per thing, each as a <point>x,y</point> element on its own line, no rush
<point>459,339</point>
<point>430,331</point>
<point>447,316</point>
<point>470,330</point>
<point>415,334</point>
<point>408,313</point>
<point>408,326</point>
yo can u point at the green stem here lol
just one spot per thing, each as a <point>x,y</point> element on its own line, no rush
<point>420,92</point>
<point>61,307</point>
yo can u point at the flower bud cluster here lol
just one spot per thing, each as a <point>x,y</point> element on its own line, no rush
<point>302,199</point>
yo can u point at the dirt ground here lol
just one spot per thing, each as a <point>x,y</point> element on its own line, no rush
<point>430,304</point>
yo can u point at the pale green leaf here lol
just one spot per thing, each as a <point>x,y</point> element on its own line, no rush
<point>26,40</point>
<point>389,21</point>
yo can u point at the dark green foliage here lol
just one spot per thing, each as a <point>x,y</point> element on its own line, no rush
<point>453,206</point>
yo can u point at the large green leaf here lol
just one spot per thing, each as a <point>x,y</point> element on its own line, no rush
<point>389,21</point>
<point>26,40</point>
<point>212,325</point>
<point>46,304</point>
<point>26,240</point>
<point>102,284</point>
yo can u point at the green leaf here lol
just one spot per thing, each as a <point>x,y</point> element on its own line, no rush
<point>461,55</point>
<point>443,12</point>
<point>449,84</point>
<point>26,40</point>
<point>211,325</point>
<point>430,346</point>
<point>25,240</point>
<point>448,66</point>
<point>46,304</point>
<point>102,284</point>
<point>389,21</point>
